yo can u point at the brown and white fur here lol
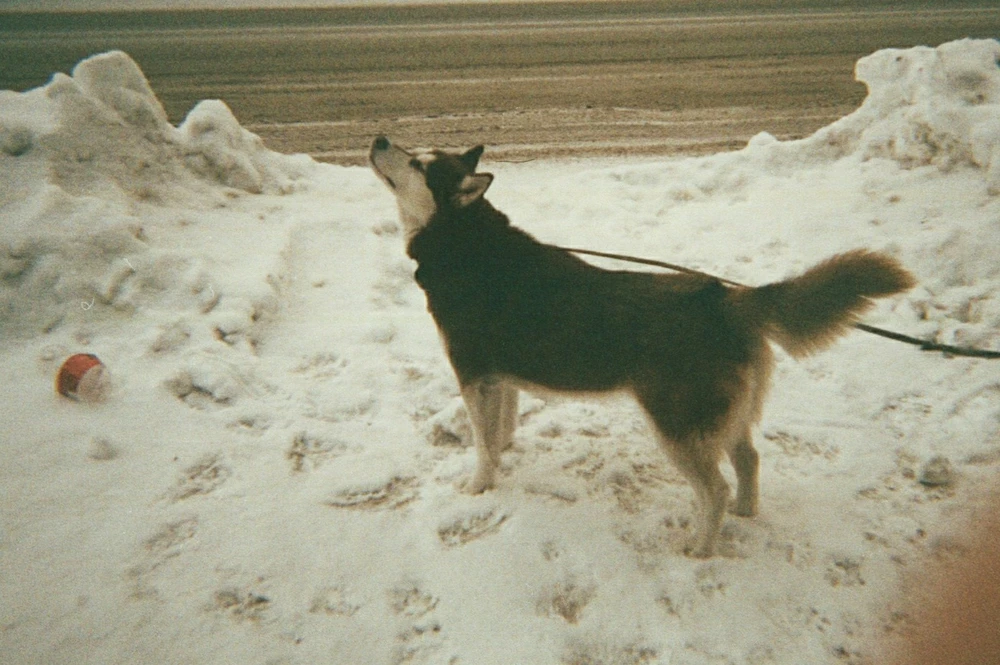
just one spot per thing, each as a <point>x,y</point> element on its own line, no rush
<point>514,312</point>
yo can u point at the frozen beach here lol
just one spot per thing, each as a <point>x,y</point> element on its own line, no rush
<point>274,475</point>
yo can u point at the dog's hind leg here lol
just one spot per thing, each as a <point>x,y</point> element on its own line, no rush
<point>746,462</point>
<point>489,404</point>
<point>697,456</point>
<point>508,415</point>
<point>698,462</point>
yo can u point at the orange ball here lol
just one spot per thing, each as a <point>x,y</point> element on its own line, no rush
<point>81,377</point>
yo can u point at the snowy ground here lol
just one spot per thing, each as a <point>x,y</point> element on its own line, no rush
<point>274,476</point>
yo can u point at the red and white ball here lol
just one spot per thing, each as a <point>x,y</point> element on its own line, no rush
<point>82,377</point>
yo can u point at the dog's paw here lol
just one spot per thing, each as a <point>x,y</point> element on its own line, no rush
<point>743,508</point>
<point>477,484</point>
<point>699,552</point>
<point>700,549</point>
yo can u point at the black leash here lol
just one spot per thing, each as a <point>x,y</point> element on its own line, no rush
<point>922,344</point>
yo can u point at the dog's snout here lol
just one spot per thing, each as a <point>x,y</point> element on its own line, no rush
<point>380,143</point>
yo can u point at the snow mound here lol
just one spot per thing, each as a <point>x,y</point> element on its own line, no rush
<point>932,106</point>
<point>86,158</point>
<point>940,108</point>
<point>928,112</point>
<point>925,106</point>
<point>104,127</point>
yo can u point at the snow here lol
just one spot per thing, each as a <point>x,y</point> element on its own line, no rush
<point>274,476</point>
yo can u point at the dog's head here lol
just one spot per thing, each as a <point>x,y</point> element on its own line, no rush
<point>428,182</point>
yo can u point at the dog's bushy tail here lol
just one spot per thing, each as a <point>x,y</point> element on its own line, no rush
<point>807,313</point>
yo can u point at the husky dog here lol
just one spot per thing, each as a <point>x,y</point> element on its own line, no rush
<point>516,313</point>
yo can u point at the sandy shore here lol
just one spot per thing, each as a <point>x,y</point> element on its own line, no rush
<point>528,80</point>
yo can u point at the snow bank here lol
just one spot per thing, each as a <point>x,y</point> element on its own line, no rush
<point>273,478</point>
<point>929,112</point>
<point>927,105</point>
<point>938,106</point>
<point>104,126</point>
<point>80,155</point>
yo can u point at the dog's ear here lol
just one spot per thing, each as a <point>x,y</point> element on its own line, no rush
<point>471,157</point>
<point>472,188</point>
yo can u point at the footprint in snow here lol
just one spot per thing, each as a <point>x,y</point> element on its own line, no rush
<point>421,641</point>
<point>309,452</point>
<point>241,604</point>
<point>591,651</point>
<point>321,365</point>
<point>168,542</point>
<point>389,495</point>
<point>844,571</point>
<point>471,527</point>
<point>410,600</point>
<point>203,477</point>
<point>334,601</point>
<point>566,600</point>
<point>203,391</point>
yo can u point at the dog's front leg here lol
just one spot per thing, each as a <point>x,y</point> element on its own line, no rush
<point>492,408</point>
